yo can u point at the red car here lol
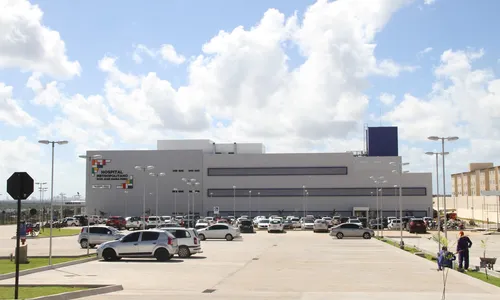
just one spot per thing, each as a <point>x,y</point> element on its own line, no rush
<point>117,222</point>
<point>417,226</point>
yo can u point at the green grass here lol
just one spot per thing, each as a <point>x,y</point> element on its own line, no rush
<point>478,275</point>
<point>59,232</point>
<point>7,266</point>
<point>481,276</point>
<point>39,291</point>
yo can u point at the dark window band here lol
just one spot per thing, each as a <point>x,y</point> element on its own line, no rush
<point>278,171</point>
<point>318,192</point>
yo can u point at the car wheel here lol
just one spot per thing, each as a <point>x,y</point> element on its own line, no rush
<point>109,254</point>
<point>367,236</point>
<point>84,244</point>
<point>162,254</point>
<point>229,237</point>
<point>340,235</point>
<point>184,252</point>
<point>202,237</point>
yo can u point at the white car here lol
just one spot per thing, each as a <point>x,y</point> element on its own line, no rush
<point>295,222</point>
<point>275,225</point>
<point>187,240</point>
<point>328,220</point>
<point>219,231</point>
<point>257,219</point>
<point>166,219</point>
<point>72,222</point>
<point>394,224</point>
<point>201,223</point>
<point>154,243</point>
<point>209,220</point>
<point>355,221</point>
<point>154,221</point>
<point>133,223</point>
<point>308,223</point>
<point>263,224</point>
<point>98,235</point>
<point>320,225</point>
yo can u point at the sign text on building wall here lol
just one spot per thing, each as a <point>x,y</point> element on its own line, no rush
<point>111,175</point>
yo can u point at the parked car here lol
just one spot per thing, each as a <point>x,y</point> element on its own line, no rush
<point>374,224</point>
<point>133,223</point>
<point>71,222</point>
<point>355,221</point>
<point>275,225</point>
<point>307,223</point>
<point>263,224</point>
<point>320,225</point>
<point>154,243</point>
<point>97,235</point>
<point>287,224</point>
<point>246,226</point>
<point>202,223</point>
<point>169,225</point>
<point>417,225</point>
<point>329,221</point>
<point>117,222</point>
<point>219,231</point>
<point>154,221</point>
<point>296,222</point>
<point>394,224</point>
<point>351,230</point>
<point>187,240</point>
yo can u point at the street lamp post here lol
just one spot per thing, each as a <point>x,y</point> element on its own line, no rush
<point>126,202</point>
<point>190,182</point>
<point>258,203</point>
<point>175,190</point>
<point>47,142</point>
<point>378,181</point>
<point>304,200</point>
<point>157,176</point>
<point>89,158</point>
<point>40,189</point>
<point>307,199</point>
<point>234,202</point>
<point>144,169</point>
<point>250,204</point>
<point>442,139</point>
<point>437,195</point>
<point>400,200</point>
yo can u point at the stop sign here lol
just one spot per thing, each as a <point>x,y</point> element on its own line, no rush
<point>20,185</point>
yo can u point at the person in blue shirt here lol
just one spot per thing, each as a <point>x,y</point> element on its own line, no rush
<point>445,259</point>
<point>463,245</point>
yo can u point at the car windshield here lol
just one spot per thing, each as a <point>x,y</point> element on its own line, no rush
<point>309,221</point>
<point>264,221</point>
<point>275,222</point>
<point>295,219</point>
<point>246,223</point>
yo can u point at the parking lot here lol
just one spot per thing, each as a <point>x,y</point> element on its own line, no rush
<point>293,265</point>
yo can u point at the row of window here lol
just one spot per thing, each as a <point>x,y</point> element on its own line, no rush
<point>182,191</point>
<point>277,171</point>
<point>181,171</point>
<point>316,192</point>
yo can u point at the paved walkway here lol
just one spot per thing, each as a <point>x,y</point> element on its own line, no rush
<point>295,265</point>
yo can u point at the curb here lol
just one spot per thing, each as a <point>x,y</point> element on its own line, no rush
<point>44,237</point>
<point>53,256</point>
<point>92,291</point>
<point>46,268</point>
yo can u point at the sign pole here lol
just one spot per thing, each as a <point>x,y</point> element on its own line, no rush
<point>18,237</point>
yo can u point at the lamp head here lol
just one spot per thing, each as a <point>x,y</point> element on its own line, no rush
<point>234,186</point>
<point>152,174</point>
<point>184,179</point>
<point>430,153</point>
<point>434,138</point>
<point>96,156</point>
<point>46,142</point>
<point>82,156</point>
<point>452,138</point>
<point>162,174</point>
<point>445,153</point>
<point>61,142</point>
<point>138,168</point>
<point>150,167</point>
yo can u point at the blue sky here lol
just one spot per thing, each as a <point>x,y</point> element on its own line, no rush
<point>93,30</point>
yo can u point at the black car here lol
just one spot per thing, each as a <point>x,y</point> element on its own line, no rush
<point>246,226</point>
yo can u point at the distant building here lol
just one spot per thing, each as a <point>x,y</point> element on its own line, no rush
<point>480,177</point>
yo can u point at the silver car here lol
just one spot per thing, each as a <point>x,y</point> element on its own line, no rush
<point>320,226</point>
<point>154,243</point>
<point>187,239</point>
<point>97,235</point>
<point>351,230</point>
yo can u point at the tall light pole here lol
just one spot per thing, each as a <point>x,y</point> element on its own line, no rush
<point>378,180</point>
<point>52,143</point>
<point>88,159</point>
<point>400,172</point>
<point>175,190</point>
<point>307,199</point>
<point>443,139</point>
<point>258,203</point>
<point>250,204</point>
<point>40,189</point>
<point>234,202</point>
<point>144,170</point>
<point>157,176</point>
<point>193,207</point>
<point>190,182</point>
<point>126,202</point>
<point>304,200</point>
<point>437,195</point>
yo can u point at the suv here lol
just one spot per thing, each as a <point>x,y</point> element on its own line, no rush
<point>98,235</point>
<point>187,240</point>
<point>246,226</point>
<point>275,225</point>
<point>117,222</point>
<point>153,243</point>
<point>417,226</point>
<point>154,221</point>
<point>133,223</point>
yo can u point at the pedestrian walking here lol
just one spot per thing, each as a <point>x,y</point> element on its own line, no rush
<point>463,245</point>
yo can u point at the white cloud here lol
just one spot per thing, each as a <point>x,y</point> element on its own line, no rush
<point>166,53</point>
<point>387,99</point>
<point>48,95</point>
<point>11,111</point>
<point>27,44</point>
<point>429,2</point>
<point>425,51</point>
